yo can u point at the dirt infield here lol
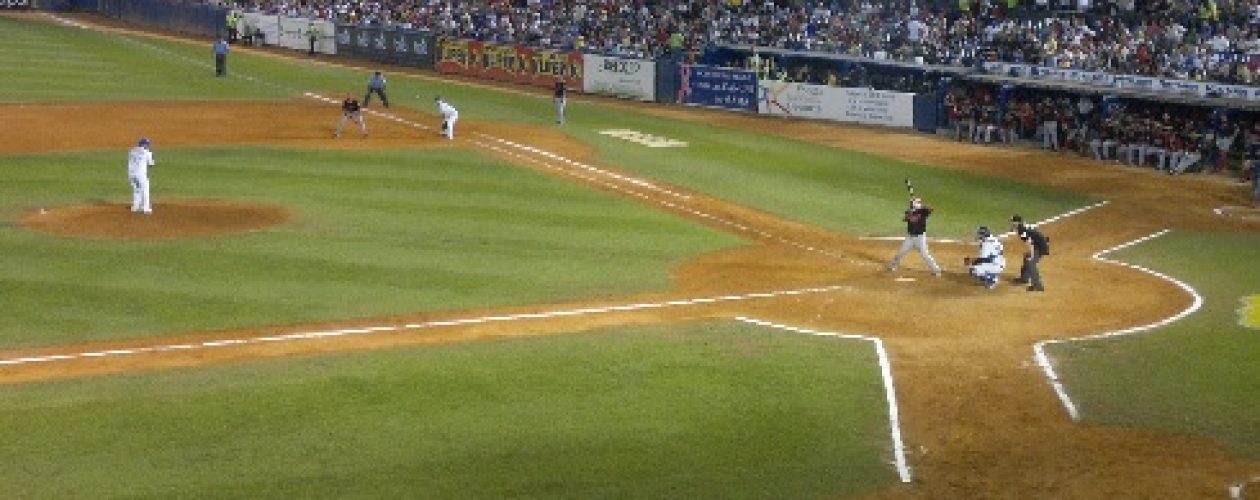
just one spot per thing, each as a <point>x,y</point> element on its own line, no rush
<point>978,416</point>
<point>173,219</point>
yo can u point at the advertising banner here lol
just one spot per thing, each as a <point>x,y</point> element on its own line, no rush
<point>851,105</point>
<point>345,38</point>
<point>268,25</point>
<point>364,37</point>
<point>718,87</point>
<point>14,4</point>
<point>376,43</point>
<point>293,33</point>
<point>1143,83</point>
<point>628,78</point>
<point>414,48</point>
<point>509,63</point>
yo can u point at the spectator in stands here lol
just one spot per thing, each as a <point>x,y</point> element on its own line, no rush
<point>1226,132</point>
<point>1049,124</point>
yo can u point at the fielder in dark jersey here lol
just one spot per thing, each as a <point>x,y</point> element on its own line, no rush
<point>350,110</point>
<point>560,97</point>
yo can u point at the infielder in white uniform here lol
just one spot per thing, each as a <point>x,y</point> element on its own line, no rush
<point>990,263</point>
<point>139,159</point>
<point>449,117</point>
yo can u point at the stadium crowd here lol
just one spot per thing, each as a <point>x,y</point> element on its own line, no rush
<point>1213,40</point>
<point>1216,40</point>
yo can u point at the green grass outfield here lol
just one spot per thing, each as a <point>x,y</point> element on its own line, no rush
<point>1200,375</point>
<point>697,410</point>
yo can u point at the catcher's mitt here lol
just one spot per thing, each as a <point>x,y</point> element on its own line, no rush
<point>966,261</point>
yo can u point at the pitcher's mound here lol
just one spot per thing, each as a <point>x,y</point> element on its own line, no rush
<point>170,219</point>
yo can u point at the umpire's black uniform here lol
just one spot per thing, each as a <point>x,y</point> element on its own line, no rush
<point>1029,273</point>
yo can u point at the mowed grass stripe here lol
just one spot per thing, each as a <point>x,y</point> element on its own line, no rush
<point>372,234</point>
<point>716,410</point>
<point>64,63</point>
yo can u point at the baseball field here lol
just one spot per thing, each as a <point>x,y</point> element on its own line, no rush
<point>542,311</point>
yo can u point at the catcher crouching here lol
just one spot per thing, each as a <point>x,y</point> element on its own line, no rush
<point>988,265</point>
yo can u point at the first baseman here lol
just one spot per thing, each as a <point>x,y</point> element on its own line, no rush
<point>350,110</point>
<point>139,159</point>
<point>449,116</point>
<point>916,235</point>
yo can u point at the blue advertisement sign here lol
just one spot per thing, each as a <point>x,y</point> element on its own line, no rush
<point>719,87</point>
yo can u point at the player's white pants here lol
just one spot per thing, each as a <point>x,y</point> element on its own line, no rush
<point>1184,162</point>
<point>449,124</point>
<point>1160,155</point>
<point>1136,153</point>
<point>919,242</point>
<point>1050,134</point>
<point>988,271</point>
<point>987,268</point>
<point>140,194</point>
<point>356,117</point>
<point>560,102</point>
<point>1101,149</point>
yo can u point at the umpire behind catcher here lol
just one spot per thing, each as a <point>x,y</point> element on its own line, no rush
<point>1038,246</point>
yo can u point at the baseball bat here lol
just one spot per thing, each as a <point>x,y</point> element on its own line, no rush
<point>909,186</point>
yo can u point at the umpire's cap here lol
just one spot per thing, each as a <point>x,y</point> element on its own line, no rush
<point>144,141</point>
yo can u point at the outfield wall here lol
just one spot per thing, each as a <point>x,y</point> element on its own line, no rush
<point>619,76</point>
<point>510,63</point>
<point>841,104</point>
<point>197,19</point>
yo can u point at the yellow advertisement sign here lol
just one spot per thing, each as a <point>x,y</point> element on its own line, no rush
<point>1249,314</point>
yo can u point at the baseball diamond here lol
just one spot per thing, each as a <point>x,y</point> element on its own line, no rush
<point>534,310</point>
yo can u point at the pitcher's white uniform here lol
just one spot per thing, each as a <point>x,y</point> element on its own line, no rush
<point>139,159</point>
<point>449,116</point>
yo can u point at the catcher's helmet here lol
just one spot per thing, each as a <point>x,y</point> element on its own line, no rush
<point>916,202</point>
<point>144,141</point>
<point>983,232</point>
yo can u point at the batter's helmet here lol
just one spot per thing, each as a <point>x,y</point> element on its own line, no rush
<point>144,141</point>
<point>983,232</point>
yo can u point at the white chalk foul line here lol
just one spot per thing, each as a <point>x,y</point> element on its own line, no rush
<point>665,203</point>
<point>617,182</point>
<point>890,391</point>
<point>1039,349</point>
<point>375,329</point>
